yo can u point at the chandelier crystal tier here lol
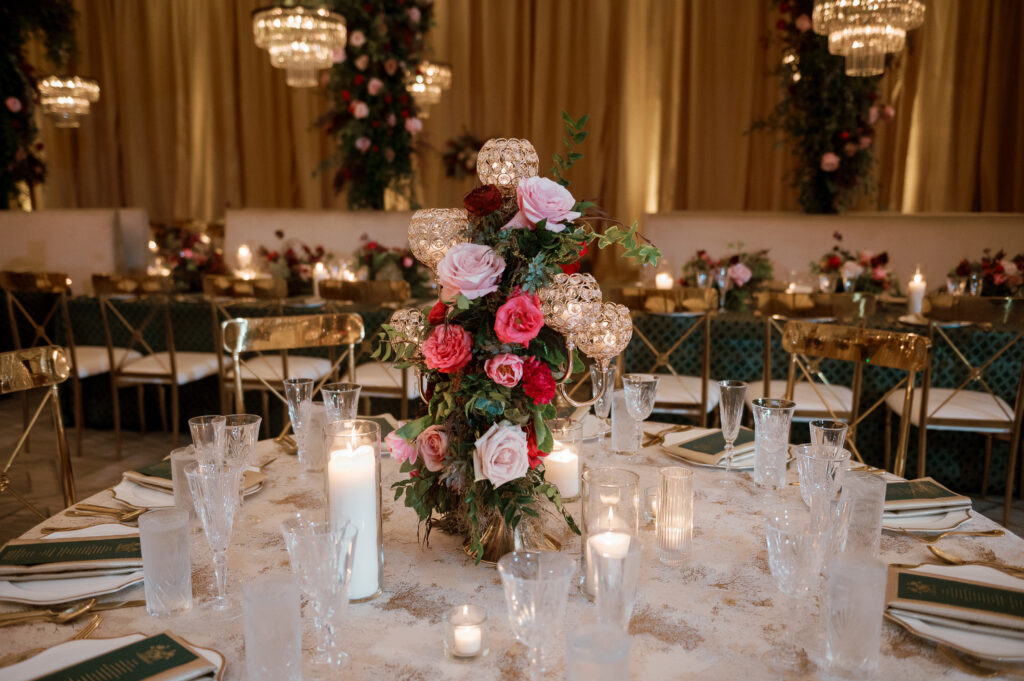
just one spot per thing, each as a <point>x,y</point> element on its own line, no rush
<point>66,100</point>
<point>426,84</point>
<point>299,39</point>
<point>864,31</point>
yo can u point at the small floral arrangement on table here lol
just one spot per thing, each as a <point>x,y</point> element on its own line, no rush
<point>190,253</point>
<point>493,350</point>
<point>383,263</point>
<point>293,261</point>
<point>459,157</point>
<point>1000,276</point>
<point>863,271</point>
<point>746,272</point>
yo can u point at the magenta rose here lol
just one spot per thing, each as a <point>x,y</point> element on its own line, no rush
<point>473,270</point>
<point>829,162</point>
<point>543,199</point>
<point>740,273</point>
<point>519,320</point>
<point>432,446</point>
<point>448,348</point>
<point>501,454</point>
<point>401,449</point>
<point>505,369</point>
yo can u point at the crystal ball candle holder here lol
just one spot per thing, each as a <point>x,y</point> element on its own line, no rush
<point>503,162</point>
<point>606,334</point>
<point>408,324</point>
<point>433,231</point>
<point>569,301</point>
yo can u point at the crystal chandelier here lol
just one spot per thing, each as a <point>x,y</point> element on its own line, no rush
<point>427,83</point>
<point>300,39</point>
<point>66,100</point>
<point>864,31</point>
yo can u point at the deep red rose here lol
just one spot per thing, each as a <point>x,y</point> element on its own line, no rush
<point>345,95</point>
<point>784,7</point>
<point>535,453</point>
<point>834,261</point>
<point>387,99</point>
<point>844,135</point>
<point>734,259</point>
<point>573,268</point>
<point>781,24</point>
<point>538,383</point>
<point>372,245</point>
<point>872,96</point>
<point>483,200</point>
<point>437,313</point>
<point>358,80</point>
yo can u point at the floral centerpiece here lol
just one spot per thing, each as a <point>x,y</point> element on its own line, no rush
<point>999,275</point>
<point>383,263</point>
<point>293,261</point>
<point>189,252</point>
<point>746,272</point>
<point>861,271</point>
<point>493,352</point>
<point>459,157</point>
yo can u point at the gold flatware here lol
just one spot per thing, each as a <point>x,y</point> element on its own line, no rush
<point>83,633</point>
<point>932,538</point>
<point>266,463</point>
<point>51,529</point>
<point>659,437</point>
<point>956,560</point>
<point>58,616</point>
<point>124,515</point>
<point>88,629</point>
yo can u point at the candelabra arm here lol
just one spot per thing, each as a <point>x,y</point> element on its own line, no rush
<point>569,348</point>
<point>586,403</point>
<point>419,386</point>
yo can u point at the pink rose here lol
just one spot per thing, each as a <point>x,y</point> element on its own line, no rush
<point>865,142</point>
<point>888,112</point>
<point>865,256</point>
<point>829,162</point>
<point>401,449</point>
<point>360,109</point>
<point>878,274</point>
<point>851,148</point>
<point>389,154</point>
<point>873,115</point>
<point>998,279</point>
<point>740,273</point>
<point>803,23</point>
<point>501,454</point>
<point>432,446</point>
<point>356,39</point>
<point>413,125</point>
<point>407,260</point>
<point>391,120</point>
<point>337,55</point>
<point>543,199</point>
<point>518,320</point>
<point>374,86</point>
<point>325,78</point>
<point>390,66</point>
<point>362,144</point>
<point>448,348</point>
<point>13,104</point>
<point>362,61</point>
<point>505,369</point>
<point>414,14</point>
<point>473,270</point>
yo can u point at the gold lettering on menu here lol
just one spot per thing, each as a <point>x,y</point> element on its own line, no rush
<point>77,550</point>
<point>110,671</point>
<point>156,653</point>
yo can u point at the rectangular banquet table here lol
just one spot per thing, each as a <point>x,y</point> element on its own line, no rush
<point>718,617</point>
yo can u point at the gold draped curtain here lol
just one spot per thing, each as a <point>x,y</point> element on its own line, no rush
<point>193,120</point>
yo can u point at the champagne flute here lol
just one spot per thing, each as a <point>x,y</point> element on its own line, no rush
<point>722,282</point>
<point>603,407</point>
<point>215,493</point>
<point>732,395</point>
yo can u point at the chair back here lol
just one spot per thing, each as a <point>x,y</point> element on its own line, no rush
<point>224,286</point>
<point>49,287</point>
<point>365,291</point>
<point>1006,313</point>
<point>27,369</point>
<point>808,343</point>
<point>131,305</point>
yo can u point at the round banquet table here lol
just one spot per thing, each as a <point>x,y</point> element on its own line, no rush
<point>717,617</point>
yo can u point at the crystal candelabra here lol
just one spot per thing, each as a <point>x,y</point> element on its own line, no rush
<point>863,31</point>
<point>503,162</point>
<point>66,100</point>
<point>299,39</point>
<point>434,230</point>
<point>426,84</point>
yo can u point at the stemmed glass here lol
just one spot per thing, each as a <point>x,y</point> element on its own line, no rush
<point>321,556</point>
<point>641,392</point>
<point>341,401</point>
<point>215,489</point>
<point>208,438</point>
<point>241,431</point>
<point>603,407</point>
<point>722,282</point>
<point>829,434</point>
<point>299,394</point>
<point>536,593</point>
<point>732,396</point>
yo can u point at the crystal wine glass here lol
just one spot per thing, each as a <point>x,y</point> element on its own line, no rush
<point>208,438</point>
<point>241,431</point>
<point>732,395</point>
<point>299,394</point>
<point>722,282</point>
<point>641,392</point>
<point>215,493</point>
<point>341,401</point>
<point>603,407</point>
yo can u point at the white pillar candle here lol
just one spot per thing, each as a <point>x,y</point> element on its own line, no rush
<point>467,640</point>
<point>244,257</point>
<point>562,469</point>
<point>663,281</point>
<point>613,544</point>
<point>915,294</point>
<point>319,273</point>
<point>352,493</point>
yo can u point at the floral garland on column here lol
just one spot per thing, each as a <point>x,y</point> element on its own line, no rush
<point>371,117</point>
<point>829,117</point>
<point>20,159</point>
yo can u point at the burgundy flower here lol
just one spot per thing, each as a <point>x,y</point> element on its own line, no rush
<point>534,452</point>
<point>483,200</point>
<point>834,262</point>
<point>538,383</point>
<point>437,313</point>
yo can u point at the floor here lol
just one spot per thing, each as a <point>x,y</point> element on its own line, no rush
<point>34,473</point>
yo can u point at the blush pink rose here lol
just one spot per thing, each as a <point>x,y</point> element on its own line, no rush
<point>829,162</point>
<point>865,142</point>
<point>362,144</point>
<point>543,199</point>
<point>414,14</point>
<point>373,86</point>
<point>357,39</point>
<point>362,62</point>
<point>13,104</point>
<point>448,348</point>
<point>432,446</point>
<point>360,109</point>
<point>473,270</point>
<point>505,369</point>
<point>878,274</point>
<point>401,449</point>
<point>873,115</point>
<point>337,55</point>
<point>501,454</point>
<point>391,66</point>
<point>518,320</point>
<point>803,23</point>
<point>740,273</point>
<point>888,112</point>
<point>413,125</point>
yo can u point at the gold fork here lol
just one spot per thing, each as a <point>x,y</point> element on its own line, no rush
<point>83,633</point>
<point>931,539</point>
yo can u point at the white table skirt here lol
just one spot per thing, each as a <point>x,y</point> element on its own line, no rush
<point>719,617</point>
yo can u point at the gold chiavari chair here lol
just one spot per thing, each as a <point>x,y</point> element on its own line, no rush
<point>776,308</point>
<point>966,408</point>
<point>28,369</point>
<point>694,396</point>
<point>122,299</point>
<point>254,336</point>
<point>378,379</point>
<point>908,352</point>
<point>86,360</point>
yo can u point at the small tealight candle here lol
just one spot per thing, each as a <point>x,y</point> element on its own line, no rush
<point>562,469</point>
<point>465,632</point>
<point>319,274</point>
<point>244,257</point>
<point>915,293</point>
<point>663,281</point>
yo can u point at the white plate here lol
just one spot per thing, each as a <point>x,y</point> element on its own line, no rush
<point>937,522</point>
<point>982,646</point>
<point>54,591</point>
<point>71,652</point>
<point>104,530</point>
<point>137,496</point>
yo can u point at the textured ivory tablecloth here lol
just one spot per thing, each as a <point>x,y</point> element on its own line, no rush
<point>720,617</point>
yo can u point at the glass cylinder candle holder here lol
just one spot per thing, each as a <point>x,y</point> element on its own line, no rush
<point>563,467</point>
<point>353,492</point>
<point>465,632</point>
<point>674,521</point>
<point>611,509</point>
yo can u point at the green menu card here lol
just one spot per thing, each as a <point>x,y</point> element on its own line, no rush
<point>162,657</point>
<point>20,556</point>
<point>960,599</point>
